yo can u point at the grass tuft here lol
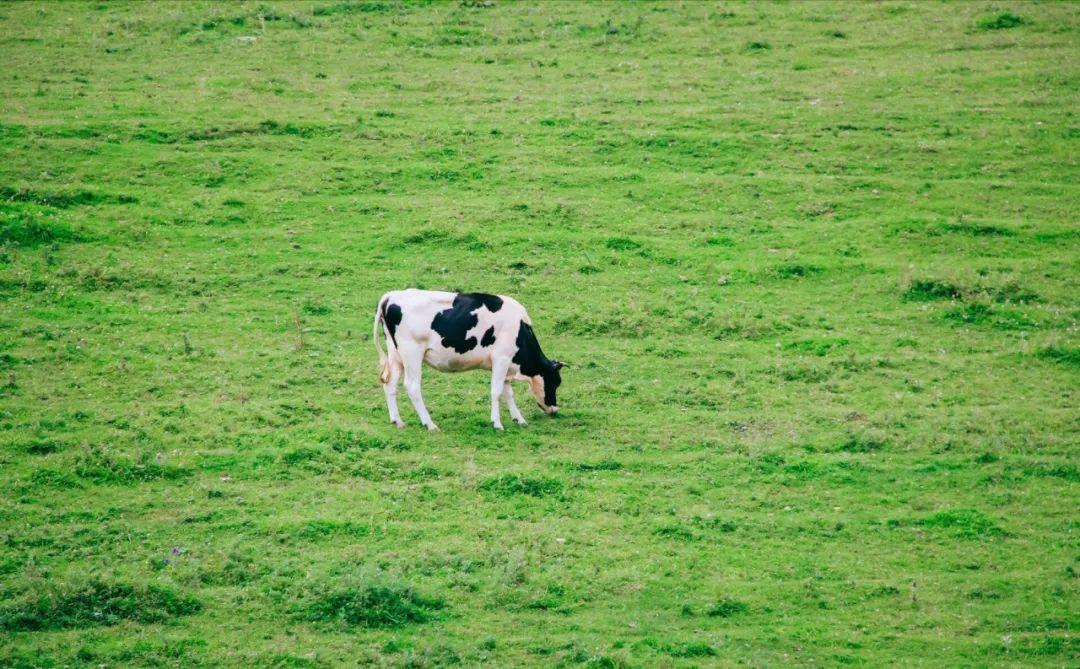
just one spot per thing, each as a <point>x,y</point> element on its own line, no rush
<point>975,230</point>
<point>79,605</point>
<point>978,313</point>
<point>99,464</point>
<point>1064,355</point>
<point>357,8</point>
<point>41,446</point>
<point>372,605</point>
<point>863,443</point>
<point>727,608</point>
<point>59,199</point>
<point>795,271</point>
<point>347,440</point>
<point>675,532</point>
<point>1000,21</point>
<point>510,485</point>
<point>600,466</point>
<point>23,228</point>
<point>622,244</point>
<point>692,649</point>
<point>924,290</point>
<point>966,523</point>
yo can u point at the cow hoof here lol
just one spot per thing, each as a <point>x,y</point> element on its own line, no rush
<point>399,424</point>
<point>433,428</point>
<point>498,427</point>
<point>522,422</point>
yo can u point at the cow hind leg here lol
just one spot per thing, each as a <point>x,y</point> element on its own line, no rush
<point>508,395</point>
<point>392,374</point>
<point>413,360</point>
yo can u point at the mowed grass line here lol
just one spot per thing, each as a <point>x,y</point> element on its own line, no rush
<point>813,265</point>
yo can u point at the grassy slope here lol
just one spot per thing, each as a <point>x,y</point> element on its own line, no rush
<point>815,267</point>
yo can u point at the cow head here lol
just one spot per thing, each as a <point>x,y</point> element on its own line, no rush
<point>544,385</point>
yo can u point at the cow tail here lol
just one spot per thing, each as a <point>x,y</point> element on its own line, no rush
<point>384,362</point>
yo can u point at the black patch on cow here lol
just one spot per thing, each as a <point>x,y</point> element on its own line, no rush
<point>454,323</point>
<point>489,337</point>
<point>529,358</point>
<point>492,302</point>
<point>391,315</point>
<point>532,362</point>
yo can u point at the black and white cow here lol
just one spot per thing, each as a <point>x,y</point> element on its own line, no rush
<point>454,332</point>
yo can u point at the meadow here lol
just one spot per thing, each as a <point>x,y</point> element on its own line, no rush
<point>815,268</point>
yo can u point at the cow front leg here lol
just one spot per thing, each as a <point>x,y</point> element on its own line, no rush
<point>499,367</point>
<point>390,388</point>
<point>413,359</point>
<point>508,395</point>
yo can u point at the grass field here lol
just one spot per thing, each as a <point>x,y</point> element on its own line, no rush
<point>815,268</point>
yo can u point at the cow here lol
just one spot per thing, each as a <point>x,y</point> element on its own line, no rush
<point>455,332</point>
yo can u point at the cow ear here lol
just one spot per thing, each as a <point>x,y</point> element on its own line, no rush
<point>558,364</point>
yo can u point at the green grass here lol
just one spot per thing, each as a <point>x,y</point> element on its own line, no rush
<point>96,603</point>
<point>814,268</point>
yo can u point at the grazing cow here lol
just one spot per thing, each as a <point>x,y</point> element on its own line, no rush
<point>454,332</point>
